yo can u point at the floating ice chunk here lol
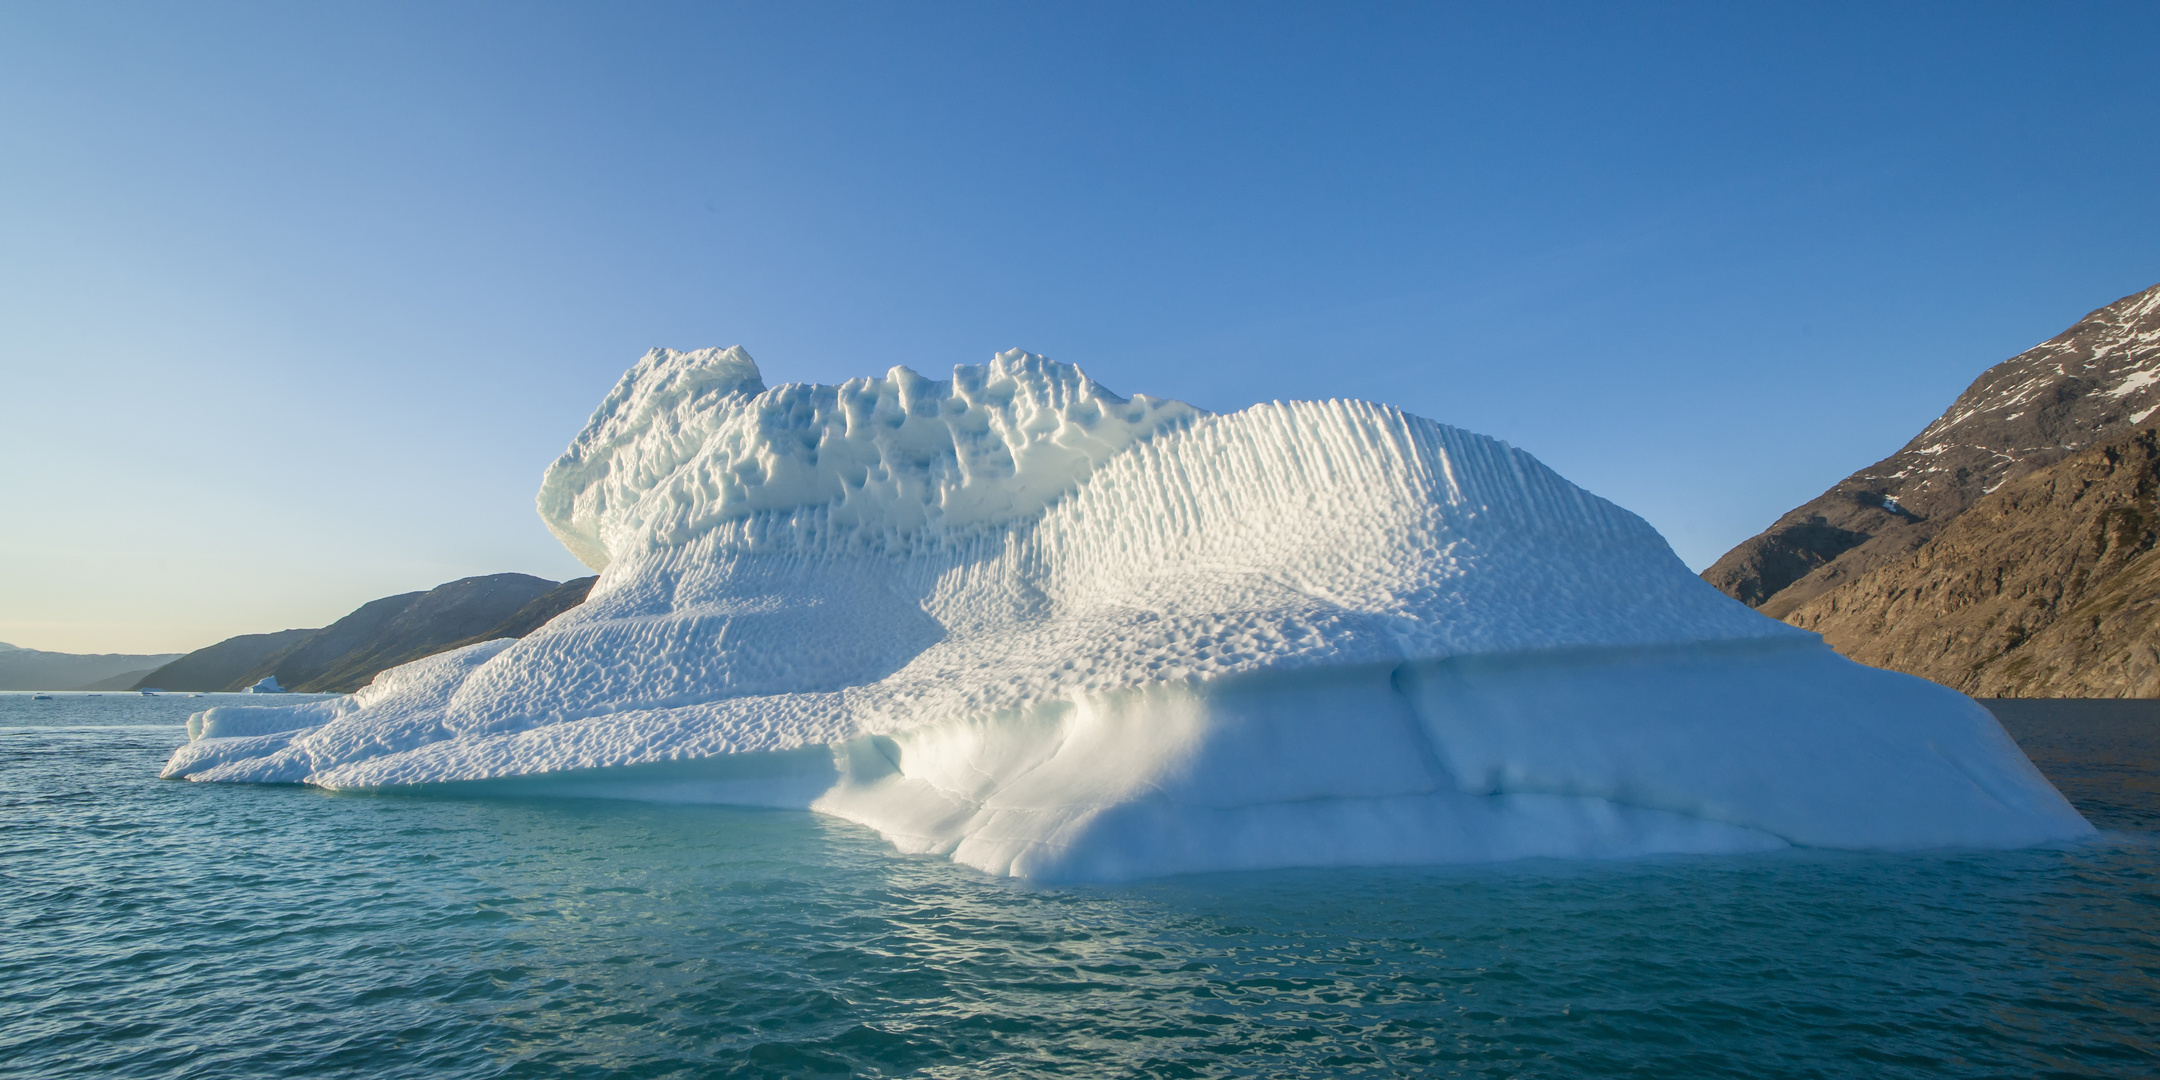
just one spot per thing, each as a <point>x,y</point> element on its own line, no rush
<point>1018,620</point>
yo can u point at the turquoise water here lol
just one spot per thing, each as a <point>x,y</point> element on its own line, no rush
<point>160,929</point>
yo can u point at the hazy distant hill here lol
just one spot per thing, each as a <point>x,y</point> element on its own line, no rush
<point>220,666</point>
<point>1974,555</point>
<point>35,669</point>
<point>383,633</point>
<point>124,681</point>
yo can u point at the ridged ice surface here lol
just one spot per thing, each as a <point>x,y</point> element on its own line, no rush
<point>1054,632</point>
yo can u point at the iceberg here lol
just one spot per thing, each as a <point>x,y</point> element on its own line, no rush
<point>1014,619</point>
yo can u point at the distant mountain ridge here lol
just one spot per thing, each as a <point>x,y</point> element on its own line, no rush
<point>36,669</point>
<point>1975,555</point>
<point>345,655</point>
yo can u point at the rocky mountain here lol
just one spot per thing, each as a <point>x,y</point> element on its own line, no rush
<point>537,612</point>
<point>384,633</point>
<point>1973,554</point>
<point>2047,587</point>
<point>36,669</point>
<point>2093,382</point>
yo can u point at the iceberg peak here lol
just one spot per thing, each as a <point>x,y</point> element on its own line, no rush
<point>689,441</point>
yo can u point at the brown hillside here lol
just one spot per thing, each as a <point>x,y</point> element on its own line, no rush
<point>2094,382</point>
<point>2044,588</point>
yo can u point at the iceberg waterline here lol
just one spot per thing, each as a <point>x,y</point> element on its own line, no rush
<point>1016,619</point>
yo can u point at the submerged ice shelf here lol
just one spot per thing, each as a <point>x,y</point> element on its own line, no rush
<point>1013,618</point>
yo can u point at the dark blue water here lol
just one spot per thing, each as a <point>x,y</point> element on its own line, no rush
<point>161,929</point>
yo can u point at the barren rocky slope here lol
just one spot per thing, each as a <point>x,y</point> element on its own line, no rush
<point>2095,381</point>
<point>2046,587</point>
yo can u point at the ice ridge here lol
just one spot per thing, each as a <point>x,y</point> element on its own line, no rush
<point>1016,619</point>
<point>690,441</point>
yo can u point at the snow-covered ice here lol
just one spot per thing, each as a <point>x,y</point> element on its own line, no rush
<point>1013,618</point>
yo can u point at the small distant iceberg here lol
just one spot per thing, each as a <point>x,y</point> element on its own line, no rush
<point>266,685</point>
<point>1020,621</point>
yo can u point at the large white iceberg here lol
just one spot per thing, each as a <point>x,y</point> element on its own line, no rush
<point>1018,620</point>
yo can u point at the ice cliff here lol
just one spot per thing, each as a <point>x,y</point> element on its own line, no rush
<point>1013,618</point>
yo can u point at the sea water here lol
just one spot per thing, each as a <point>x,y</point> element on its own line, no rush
<point>168,929</point>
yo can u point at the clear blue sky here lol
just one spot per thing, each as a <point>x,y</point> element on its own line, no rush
<point>298,300</point>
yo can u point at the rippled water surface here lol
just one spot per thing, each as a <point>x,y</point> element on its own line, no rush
<point>152,928</point>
